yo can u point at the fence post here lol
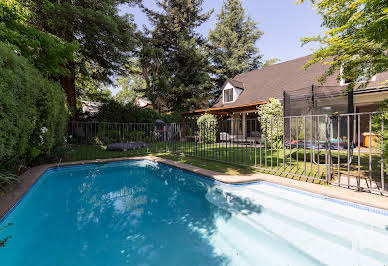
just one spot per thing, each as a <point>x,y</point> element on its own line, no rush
<point>328,150</point>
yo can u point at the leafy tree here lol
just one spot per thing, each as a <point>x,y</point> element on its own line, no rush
<point>272,111</point>
<point>356,40</point>
<point>105,38</point>
<point>45,51</point>
<point>132,83</point>
<point>91,89</point>
<point>233,42</point>
<point>173,58</point>
<point>131,87</point>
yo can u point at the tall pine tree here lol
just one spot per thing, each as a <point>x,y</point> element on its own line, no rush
<point>233,43</point>
<point>174,59</point>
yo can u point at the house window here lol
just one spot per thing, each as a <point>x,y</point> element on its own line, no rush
<point>228,95</point>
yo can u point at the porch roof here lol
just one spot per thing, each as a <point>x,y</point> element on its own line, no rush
<point>226,110</point>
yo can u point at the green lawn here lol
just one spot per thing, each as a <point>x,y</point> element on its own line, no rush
<point>239,159</point>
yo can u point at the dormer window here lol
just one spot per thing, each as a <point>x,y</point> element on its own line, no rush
<point>228,95</point>
<point>231,91</point>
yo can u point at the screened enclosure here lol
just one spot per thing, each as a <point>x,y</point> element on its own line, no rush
<point>321,103</point>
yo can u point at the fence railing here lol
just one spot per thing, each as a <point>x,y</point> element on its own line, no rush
<point>346,150</point>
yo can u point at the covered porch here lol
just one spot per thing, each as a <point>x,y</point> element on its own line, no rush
<point>237,123</point>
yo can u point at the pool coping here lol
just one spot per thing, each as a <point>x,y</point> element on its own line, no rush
<point>17,190</point>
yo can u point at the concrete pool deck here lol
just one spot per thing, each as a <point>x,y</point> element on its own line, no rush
<point>28,178</point>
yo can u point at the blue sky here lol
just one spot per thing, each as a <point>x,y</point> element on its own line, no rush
<point>283,22</point>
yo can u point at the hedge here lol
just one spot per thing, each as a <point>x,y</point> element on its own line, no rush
<point>33,113</point>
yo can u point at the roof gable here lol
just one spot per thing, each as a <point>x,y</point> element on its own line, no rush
<point>270,82</point>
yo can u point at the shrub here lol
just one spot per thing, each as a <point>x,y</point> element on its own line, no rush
<point>108,136</point>
<point>271,111</point>
<point>33,112</point>
<point>207,124</point>
<point>115,112</point>
<point>376,126</point>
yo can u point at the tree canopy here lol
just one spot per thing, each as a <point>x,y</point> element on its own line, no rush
<point>173,57</point>
<point>356,40</point>
<point>105,38</point>
<point>233,42</point>
<point>45,51</point>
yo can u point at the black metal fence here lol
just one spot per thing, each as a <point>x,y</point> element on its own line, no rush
<point>345,150</point>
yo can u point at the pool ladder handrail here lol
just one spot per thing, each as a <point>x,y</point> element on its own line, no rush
<point>59,163</point>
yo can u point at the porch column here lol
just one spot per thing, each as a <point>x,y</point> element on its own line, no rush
<point>233,124</point>
<point>244,125</point>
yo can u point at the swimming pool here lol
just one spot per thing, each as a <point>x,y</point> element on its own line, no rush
<point>145,213</point>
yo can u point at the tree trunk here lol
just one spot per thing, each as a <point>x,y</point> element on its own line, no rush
<point>68,85</point>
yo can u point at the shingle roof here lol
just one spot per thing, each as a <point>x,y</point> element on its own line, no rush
<point>236,83</point>
<point>270,82</point>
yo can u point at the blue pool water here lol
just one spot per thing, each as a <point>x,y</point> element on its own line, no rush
<point>144,213</point>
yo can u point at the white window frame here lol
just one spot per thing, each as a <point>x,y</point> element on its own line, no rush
<point>223,95</point>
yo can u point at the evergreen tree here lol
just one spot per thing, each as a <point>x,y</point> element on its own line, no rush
<point>174,60</point>
<point>233,43</point>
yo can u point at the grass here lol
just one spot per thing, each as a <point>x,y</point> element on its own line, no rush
<point>7,178</point>
<point>237,160</point>
<point>209,165</point>
<point>240,159</point>
<point>88,152</point>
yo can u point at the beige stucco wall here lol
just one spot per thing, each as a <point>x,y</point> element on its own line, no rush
<point>370,97</point>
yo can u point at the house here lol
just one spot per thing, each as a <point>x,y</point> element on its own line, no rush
<point>143,102</point>
<point>299,91</point>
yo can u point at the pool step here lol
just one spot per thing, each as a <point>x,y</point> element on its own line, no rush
<point>310,229</point>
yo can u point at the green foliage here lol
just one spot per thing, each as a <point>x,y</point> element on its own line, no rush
<point>104,36</point>
<point>233,42</point>
<point>270,62</point>
<point>7,178</point>
<point>376,126</point>
<point>33,112</point>
<point>356,39</point>
<point>173,58</point>
<point>46,52</point>
<point>125,134</point>
<point>271,114</point>
<point>113,111</point>
<point>207,124</point>
<point>131,86</point>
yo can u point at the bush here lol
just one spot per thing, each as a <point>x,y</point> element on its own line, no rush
<point>108,136</point>
<point>207,124</point>
<point>376,126</point>
<point>115,112</point>
<point>272,110</point>
<point>33,113</point>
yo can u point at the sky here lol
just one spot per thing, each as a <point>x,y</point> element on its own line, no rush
<point>283,22</point>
